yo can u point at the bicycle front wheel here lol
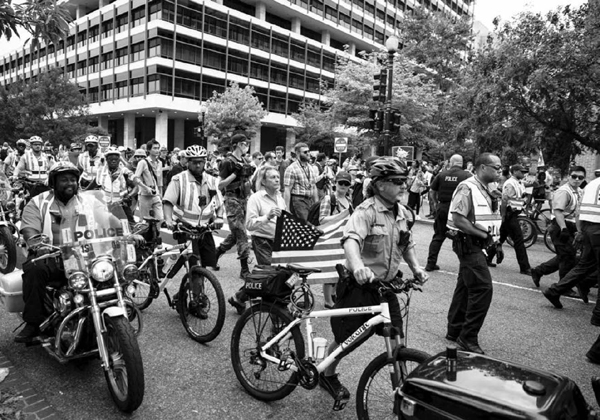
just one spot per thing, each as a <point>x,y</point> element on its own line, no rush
<point>375,393</point>
<point>201,305</point>
<point>529,231</point>
<point>548,242</point>
<point>543,219</point>
<point>261,378</point>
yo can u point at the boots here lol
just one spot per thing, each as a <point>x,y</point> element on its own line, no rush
<point>245,269</point>
<point>220,252</point>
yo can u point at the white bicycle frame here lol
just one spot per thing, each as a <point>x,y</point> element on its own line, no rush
<point>167,251</point>
<point>383,316</point>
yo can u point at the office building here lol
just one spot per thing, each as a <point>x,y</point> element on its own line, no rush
<point>146,66</point>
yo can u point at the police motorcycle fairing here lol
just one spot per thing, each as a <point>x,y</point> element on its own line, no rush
<point>88,317</point>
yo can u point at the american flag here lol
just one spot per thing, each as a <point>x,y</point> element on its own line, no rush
<point>297,242</point>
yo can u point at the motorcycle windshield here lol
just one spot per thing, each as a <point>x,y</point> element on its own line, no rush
<point>94,229</point>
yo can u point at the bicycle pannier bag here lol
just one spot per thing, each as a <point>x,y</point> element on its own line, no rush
<point>268,282</point>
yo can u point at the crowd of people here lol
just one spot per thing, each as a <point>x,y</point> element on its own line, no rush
<point>475,205</point>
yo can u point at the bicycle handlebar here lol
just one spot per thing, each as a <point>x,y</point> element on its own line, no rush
<point>400,285</point>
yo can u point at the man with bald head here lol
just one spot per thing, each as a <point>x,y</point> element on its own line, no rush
<point>442,188</point>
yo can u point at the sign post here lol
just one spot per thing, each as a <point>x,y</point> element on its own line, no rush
<point>340,145</point>
<point>104,142</point>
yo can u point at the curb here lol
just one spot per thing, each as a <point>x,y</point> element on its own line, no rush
<point>33,405</point>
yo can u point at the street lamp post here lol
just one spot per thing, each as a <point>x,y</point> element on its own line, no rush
<point>203,114</point>
<point>392,46</point>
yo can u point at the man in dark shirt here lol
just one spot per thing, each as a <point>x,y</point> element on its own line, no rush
<point>442,188</point>
<point>177,168</point>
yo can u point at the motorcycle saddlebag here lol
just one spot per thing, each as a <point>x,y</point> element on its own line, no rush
<point>268,282</point>
<point>11,291</point>
<point>487,388</point>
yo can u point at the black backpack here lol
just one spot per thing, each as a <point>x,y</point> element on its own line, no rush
<point>315,210</point>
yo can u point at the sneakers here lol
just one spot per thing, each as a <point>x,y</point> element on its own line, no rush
<point>198,310</point>
<point>244,273</point>
<point>433,267</point>
<point>239,306</point>
<point>554,300</point>
<point>333,385</point>
<point>27,334</point>
<point>472,347</point>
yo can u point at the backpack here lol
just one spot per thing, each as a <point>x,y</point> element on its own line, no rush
<point>315,210</point>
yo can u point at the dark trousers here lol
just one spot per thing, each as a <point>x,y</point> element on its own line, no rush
<point>439,232</point>
<point>595,349</point>
<point>36,277</point>
<point>472,297</point>
<point>510,228</point>
<point>300,206</point>
<point>263,250</point>
<point>565,258</point>
<point>414,201</point>
<point>204,250</point>
<point>588,264</point>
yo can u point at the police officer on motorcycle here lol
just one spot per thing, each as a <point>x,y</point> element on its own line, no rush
<point>90,161</point>
<point>43,216</point>
<point>34,165</point>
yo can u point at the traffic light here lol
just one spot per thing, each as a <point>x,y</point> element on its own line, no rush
<point>372,119</point>
<point>380,86</point>
<point>199,131</point>
<point>395,123</point>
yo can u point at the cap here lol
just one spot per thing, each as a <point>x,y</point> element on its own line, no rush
<point>517,167</point>
<point>121,148</point>
<point>181,153</point>
<point>140,152</point>
<point>343,176</point>
<point>238,138</point>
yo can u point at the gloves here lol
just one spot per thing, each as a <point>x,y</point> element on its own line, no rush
<point>565,235</point>
<point>499,254</point>
<point>138,240</point>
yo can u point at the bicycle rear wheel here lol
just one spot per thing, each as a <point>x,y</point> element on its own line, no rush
<point>201,305</point>
<point>261,378</point>
<point>548,242</point>
<point>542,220</point>
<point>529,231</point>
<point>375,393</point>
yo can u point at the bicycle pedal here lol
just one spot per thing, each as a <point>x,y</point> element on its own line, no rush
<point>340,404</point>
<point>283,366</point>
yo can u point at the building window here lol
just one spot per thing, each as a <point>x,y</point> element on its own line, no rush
<point>81,38</point>
<point>166,50</point>
<point>261,39</point>
<point>121,89</point>
<point>153,83</point>
<point>154,47</point>
<point>93,95</point>
<point>137,86</point>
<point>298,51</point>
<point>296,79</point>
<point>121,56</point>
<point>277,102</point>
<point>107,28</point>
<point>168,13</point>
<point>93,66</point>
<point>280,45</point>
<point>237,63</point>
<point>314,57</point>
<point>154,8</point>
<point>278,74</point>
<point>259,69</point>
<point>138,16</point>
<point>70,42</point>
<point>81,68</point>
<point>185,88</point>
<point>239,31</point>
<point>214,57</point>
<point>137,52</point>
<point>331,14</point>
<point>369,10</point>
<point>188,53</point>
<point>216,24</point>
<point>344,20</point>
<point>328,61</point>
<point>357,26</point>
<point>122,22</point>
<point>316,6</point>
<point>71,71</point>
<point>276,20</point>
<point>93,33</point>
<point>166,87</point>
<point>107,60</point>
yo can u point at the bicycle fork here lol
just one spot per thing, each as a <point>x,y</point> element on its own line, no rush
<point>397,367</point>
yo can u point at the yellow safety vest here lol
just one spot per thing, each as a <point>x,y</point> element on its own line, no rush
<point>114,191</point>
<point>37,166</point>
<point>516,203</point>
<point>188,207</point>
<point>575,199</point>
<point>481,209</point>
<point>84,161</point>
<point>589,211</point>
<point>44,202</point>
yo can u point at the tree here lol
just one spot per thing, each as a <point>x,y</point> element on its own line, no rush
<point>44,19</point>
<point>52,107</point>
<point>236,109</point>
<point>537,84</point>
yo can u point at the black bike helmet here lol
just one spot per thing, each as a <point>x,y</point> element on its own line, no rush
<point>385,168</point>
<point>61,168</point>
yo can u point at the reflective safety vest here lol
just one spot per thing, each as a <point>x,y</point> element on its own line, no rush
<point>44,202</point>
<point>85,161</point>
<point>481,209</point>
<point>589,211</point>
<point>188,208</point>
<point>515,203</point>
<point>114,190</point>
<point>38,166</point>
<point>571,216</point>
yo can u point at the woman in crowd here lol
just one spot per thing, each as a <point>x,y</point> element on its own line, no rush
<point>416,182</point>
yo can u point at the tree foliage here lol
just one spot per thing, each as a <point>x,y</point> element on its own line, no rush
<point>236,109</point>
<point>51,108</point>
<point>45,20</point>
<point>537,84</point>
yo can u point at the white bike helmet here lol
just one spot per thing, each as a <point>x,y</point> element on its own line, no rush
<point>35,139</point>
<point>23,142</point>
<point>195,151</point>
<point>61,167</point>
<point>91,139</point>
<point>112,151</point>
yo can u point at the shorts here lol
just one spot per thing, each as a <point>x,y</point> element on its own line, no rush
<point>344,326</point>
<point>151,206</point>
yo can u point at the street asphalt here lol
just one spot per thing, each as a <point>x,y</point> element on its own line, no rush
<point>187,380</point>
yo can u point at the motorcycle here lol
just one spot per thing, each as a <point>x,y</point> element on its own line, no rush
<point>88,316</point>
<point>9,234</point>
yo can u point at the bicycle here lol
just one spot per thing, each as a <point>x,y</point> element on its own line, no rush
<point>529,231</point>
<point>200,301</point>
<point>268,348</point>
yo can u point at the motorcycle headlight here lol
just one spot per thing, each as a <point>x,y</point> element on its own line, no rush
<point>78,281</point>
<point>130,272</point>
<point>102,271</point>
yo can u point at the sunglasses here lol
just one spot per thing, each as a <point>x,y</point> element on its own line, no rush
<point>496,167</point>
<point>305,152</point>
<point>343,183</point>
<point>397,181</point>
<point>579,177</point>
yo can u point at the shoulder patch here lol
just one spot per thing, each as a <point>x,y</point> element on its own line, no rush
<point>366,204</point>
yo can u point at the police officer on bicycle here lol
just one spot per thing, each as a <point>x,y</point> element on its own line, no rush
<point>375,240</point>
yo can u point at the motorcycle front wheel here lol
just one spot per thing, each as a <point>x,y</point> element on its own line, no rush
<point>125,373</point>
<point>8,251</point>
<point>201,305</point>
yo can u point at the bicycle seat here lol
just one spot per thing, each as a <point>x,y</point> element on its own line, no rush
<point>302,270</point>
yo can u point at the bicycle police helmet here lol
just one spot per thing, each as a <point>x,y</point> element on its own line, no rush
<point>61,167</point>
<point>387,168</point>
<point>75,146</point>
<point>195,152</point>
<point>22,142</point>
<point>112,151</point>
<point>35,139</point>
<point>91,139</point>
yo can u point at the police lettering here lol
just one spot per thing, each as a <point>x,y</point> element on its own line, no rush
<point>354,336</point>
<point>451,178</point>
<point>359,310</point>
<point>99,233</point>
<point>253,286</point>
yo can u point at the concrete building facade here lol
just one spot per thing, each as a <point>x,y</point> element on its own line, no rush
<point>146,65</point>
